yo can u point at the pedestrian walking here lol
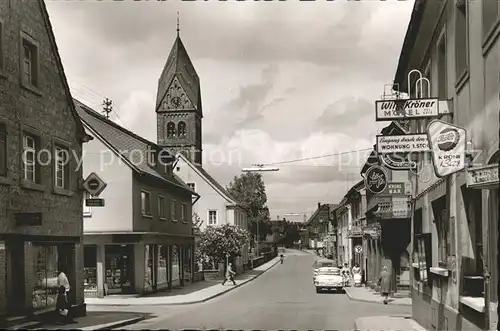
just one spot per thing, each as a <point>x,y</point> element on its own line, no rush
<point>385,284</point>
<point>63,307</point>
<point>229,274</point>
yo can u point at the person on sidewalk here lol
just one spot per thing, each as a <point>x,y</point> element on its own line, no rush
<point>63,307</point>
<point>385,284</point>
<point>229,274</point>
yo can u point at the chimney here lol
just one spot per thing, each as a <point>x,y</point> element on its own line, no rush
<point>319,205</point>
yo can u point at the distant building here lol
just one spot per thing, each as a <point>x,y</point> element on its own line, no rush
<point>41,140</point>
<point>317,227</point>
<point>141,240</point>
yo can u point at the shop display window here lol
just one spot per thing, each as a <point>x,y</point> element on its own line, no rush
<point>162,277</point>
<point>90,268</point>
<point>44,293</point>
<point>176,261</point>
<point>148,274</point>
<point>119,268</point>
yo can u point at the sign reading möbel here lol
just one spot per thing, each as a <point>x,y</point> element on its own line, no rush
<point>447,143</point>
<point>376,179</point>
<point>388,110</point>
<point>402,143</point>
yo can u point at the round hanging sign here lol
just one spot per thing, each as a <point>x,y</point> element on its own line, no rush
<point>376,179</point>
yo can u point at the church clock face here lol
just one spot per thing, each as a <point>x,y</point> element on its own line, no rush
<point>176,102</point>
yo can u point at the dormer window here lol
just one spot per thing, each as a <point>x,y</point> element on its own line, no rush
<point>181,129</point>
<point>170,129</point>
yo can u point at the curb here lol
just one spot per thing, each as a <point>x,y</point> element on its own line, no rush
<point>188,302</point>
<point>112,325</point>
<point>376,302</point>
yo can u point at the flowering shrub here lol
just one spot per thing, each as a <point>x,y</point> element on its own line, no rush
<point>217,242</point>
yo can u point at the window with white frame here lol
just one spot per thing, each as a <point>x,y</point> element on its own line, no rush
<point>161,207</point>
<point>146,203</point>
<point>192,186</point>
<point>29,158</point>
<point>29,63</point>
<point>61,164</point>
<point>184,212</point>
<point>87,211</point>
<point>173,210</point>
<point>212,217</point>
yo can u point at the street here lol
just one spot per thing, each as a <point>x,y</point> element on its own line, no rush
<point>282,298</point>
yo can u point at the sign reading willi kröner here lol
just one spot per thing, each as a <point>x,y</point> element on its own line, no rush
<point>388,110</point>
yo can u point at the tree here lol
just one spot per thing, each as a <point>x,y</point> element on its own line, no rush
<point>249,189</point>
<point>217,242</point>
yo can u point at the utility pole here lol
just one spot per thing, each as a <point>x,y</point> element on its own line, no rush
<point>107,106</point>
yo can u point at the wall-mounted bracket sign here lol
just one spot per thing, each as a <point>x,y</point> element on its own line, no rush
<point>376,179</point>
<point>94,202</point>
<point>389,110</point>
<point>447,143</point>
<point>94,185</point>
<point>398,162</point>
<point>407,143</point>
<point>483,177</point>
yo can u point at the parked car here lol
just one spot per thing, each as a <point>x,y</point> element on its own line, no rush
<point>322,263</point>
<point>328,279</point>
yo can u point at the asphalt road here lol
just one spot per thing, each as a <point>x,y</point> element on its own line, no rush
<point>282,298</point>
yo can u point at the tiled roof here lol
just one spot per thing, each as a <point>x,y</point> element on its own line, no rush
<point>179,64</point>
<point>124,142</point>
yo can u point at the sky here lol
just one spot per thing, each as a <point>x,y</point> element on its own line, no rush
<point>280,81</point>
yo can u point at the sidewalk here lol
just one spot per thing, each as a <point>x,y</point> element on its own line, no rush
<point>389,323</point>
<point>93,321</point>
<point>187,295</point>
<point>368,295</point>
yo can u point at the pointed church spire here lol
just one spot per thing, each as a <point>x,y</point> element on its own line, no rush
<point>178,24</point>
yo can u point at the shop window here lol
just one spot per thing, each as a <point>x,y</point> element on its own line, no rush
<point>44,292</point>
<point>119,264</point>
<point>443,227</point>
<point>148,274</point>
<point>162,277</point>
<point>176,263</point>
<point>423,260</point>
<point>90,267</point>
<point>473,209</point>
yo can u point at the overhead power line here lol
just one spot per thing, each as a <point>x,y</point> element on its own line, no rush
<point>317,157</point>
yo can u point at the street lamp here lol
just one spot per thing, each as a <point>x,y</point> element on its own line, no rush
<point>259,168</point>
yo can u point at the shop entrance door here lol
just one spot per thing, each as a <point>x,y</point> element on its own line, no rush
<point>119,269</point>
<point>15,277</point>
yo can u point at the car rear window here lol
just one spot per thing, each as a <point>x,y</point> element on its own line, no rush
<point>333,272</point>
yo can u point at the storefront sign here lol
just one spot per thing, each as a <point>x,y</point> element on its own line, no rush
<point>447,143</point>
<point>28,219</point>
<point>397,162</point>
<point>95,202</point>
<point>388,110</point>
<point>483,177</point>
<point>402,143</point>
<point>400,207</point>
<point>376,179</point>
<point>394,188</point>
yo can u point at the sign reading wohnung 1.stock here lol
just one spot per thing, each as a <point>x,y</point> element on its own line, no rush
<point>403,143</point>
<point>389,110</point>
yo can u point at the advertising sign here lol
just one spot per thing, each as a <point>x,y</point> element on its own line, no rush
<point>376,179</point>
<point>397,162</point>
<point>402,144</point>
<point>447,143</point>
<point>483,177</point>
<point>388,110</point>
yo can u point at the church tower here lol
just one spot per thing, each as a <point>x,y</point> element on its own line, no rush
<point>178,105</point>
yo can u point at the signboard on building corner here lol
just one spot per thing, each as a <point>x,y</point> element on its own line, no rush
<point>407,143</point>
<point>447,142</point>
<point>376,179</point>
<point>388,110</point>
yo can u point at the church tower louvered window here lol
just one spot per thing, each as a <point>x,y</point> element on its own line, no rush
<point>181,129</point>
<point>170,129</point>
